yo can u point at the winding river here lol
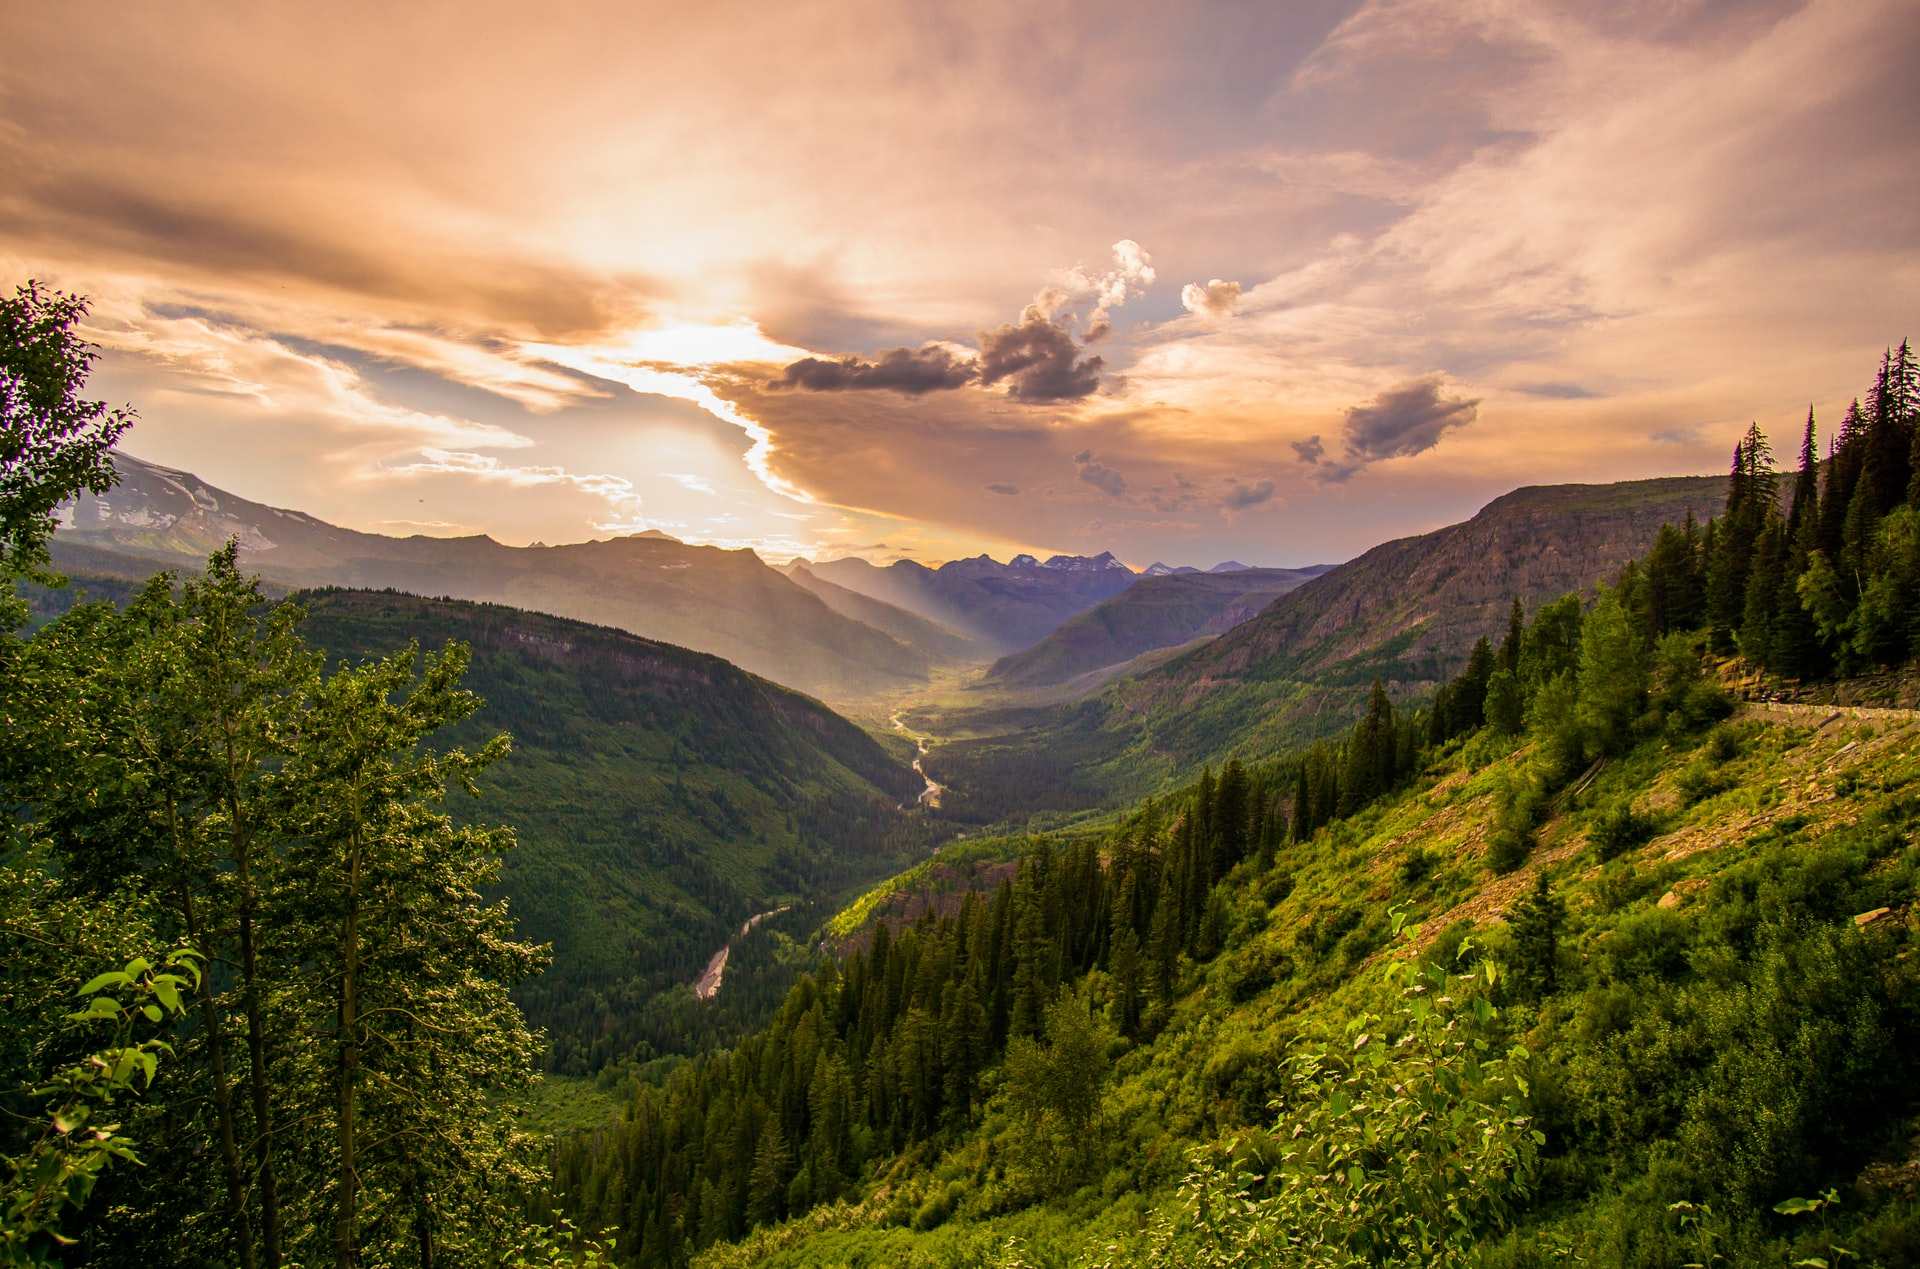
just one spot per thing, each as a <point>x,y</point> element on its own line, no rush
<point>708,984</point>
<point>929,796</point>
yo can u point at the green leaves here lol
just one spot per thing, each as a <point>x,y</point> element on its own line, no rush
<point>1401,1153</point>
<point>58,1170</point>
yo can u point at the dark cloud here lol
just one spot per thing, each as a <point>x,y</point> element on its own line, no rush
<point>1404,421</point>
<point>1039,360</point>
<point>1560,391</point>
<point>929,369</point>
<point>1240,497</point>
<point>1311,450</point>
<point>232,239</point>
<point>1003,488</point>
<point>1100,476</point>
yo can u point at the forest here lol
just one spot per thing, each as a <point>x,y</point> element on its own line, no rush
<point>264,1005</point>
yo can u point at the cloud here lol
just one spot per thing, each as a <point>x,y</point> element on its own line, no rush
<point>1240,497</point>
<point>1131,274</point>
<point>1039,360</point>
<point>617,491</point>
<point>1405,420</point>
<point>1002,488</point>
<point>1217,298</point>
<point>1311,450</point>
<point>690,482</point>
<point>932,368</point>
<point>1560,391</point>
<point>1101,477</point>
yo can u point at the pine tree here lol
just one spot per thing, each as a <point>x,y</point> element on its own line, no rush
<point>1536,923</point>
<point>1229,818</point>
<point>1516,634</point>
<point>1126,981</point>
<point>1842,478</point>
<point>1612,684</point>
<point>1806,484</point>
<point>767,1182</point>
<point>1887,469</point>
<point>1765,576</point>
<point>1163,949</point>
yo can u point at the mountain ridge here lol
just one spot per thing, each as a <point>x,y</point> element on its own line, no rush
<point>1004,607</point>
<point>726,602</point>
<point>1158,611</point>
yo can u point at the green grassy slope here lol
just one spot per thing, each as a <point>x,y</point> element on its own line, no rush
<point>1733,1021</point>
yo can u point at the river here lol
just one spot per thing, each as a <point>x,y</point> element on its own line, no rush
<point>929,796</point>
<point>708,984</point>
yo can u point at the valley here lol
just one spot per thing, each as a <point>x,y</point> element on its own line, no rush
<point>1542,887</point>
<point>930,795</point>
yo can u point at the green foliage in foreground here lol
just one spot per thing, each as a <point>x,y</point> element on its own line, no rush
<point>55,1174</point>
<point>1399,1146</point>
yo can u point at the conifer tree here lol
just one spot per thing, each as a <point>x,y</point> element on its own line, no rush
<point>1126,981</point>
<point>1536,923</point>
<point>767,1182</point>
<point>1806,483</point>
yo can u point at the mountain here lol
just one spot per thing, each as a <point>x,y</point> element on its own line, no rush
<point>1157,569</point>
<point>1005,607</point>
<point>1230,566</point>
<point>933,640</point>
<point>1155,612</point>
<point>725,602</point>
<point>661,797</point>
<point>1413,607</point>
<point>1406,612</point>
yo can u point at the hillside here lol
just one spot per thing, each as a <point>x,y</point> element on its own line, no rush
<point>728,603</point>
<point>1413,606</point>
<point>930,639</point>
<point>1157,611</point>
<point>1750,946</point>
<point>1406,612</point>
<point>661,797</point>
<point>1004,607</point>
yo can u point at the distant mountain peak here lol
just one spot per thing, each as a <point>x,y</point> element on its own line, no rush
<point>1023,561</point>
<point>1157,569</point>
<point>1085,563</point>
<point>656,535</point>
<point>1229,566</point>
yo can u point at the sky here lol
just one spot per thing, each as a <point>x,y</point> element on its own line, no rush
<point>1272,282</point>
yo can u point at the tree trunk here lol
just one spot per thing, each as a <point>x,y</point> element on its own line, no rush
<point>257,1055</point>
<point>256,1029</point>
<point>416,1197</point>
<point>222,1091</point>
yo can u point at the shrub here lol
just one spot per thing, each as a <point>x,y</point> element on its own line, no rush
<point>1698,782</point>
<point>1463,1161</point>
<point>1618,829</point>
<point>1519,804</point>
<point>1723,744</point>
<point>1417,865</point>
